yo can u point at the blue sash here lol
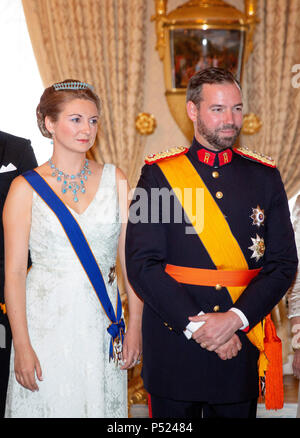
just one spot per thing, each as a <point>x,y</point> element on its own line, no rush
<point>86,257</point>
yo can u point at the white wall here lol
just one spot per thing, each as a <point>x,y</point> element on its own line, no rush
<point>20,82</point>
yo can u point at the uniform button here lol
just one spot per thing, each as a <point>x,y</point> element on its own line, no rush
<point>166,324</point>
<point>218,287</point>
<point>216,308</point>
<point>170,328</point>
<point>219,195</point>
<point>215,174</point>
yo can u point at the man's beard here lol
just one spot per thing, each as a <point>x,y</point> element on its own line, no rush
<point>213,138</point>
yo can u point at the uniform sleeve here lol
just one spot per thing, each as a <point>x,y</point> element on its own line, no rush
<point>27,159</point>
<point>146,254</point>
<point>280,258</point>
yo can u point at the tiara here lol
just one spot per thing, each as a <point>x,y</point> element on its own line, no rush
<point>72,86</point>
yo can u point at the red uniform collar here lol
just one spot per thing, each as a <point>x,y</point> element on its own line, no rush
<point>214,159</point>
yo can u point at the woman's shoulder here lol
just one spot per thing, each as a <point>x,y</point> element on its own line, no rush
<point>110,173</point>
<point>113,170</point>
<point>19,184</point>
<point>19,197</point>
<point>95,167</point>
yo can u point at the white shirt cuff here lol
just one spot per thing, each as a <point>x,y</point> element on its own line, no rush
<point>193,326</point>
<point>242,317</point>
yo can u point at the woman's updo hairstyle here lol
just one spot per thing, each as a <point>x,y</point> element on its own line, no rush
<point>55,96</point>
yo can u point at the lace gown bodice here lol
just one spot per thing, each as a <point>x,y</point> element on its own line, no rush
<point>66,322</point>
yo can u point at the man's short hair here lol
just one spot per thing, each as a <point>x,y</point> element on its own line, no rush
<point>211,75</point>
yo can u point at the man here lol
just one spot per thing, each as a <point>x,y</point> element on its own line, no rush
<point>234,265</point>
<point>16,156</point>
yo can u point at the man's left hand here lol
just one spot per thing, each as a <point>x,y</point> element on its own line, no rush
<point>217,330</point>
<point>230,349</point>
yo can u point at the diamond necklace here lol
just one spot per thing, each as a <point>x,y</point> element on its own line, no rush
<point>75,183</point>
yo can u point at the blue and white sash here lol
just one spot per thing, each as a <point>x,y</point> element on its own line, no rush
<point>86,258</point>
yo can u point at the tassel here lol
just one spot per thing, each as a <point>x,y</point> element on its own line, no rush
<point>274,397</point>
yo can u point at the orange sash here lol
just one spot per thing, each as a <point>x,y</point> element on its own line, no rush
<point>211,277</point>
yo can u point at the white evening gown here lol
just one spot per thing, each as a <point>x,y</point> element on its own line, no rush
<point>66,322</point>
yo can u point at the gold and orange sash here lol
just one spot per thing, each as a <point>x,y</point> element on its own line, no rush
<point>216,236</point>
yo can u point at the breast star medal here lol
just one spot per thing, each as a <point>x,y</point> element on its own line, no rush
<point>258,247</point>
<point>258,216</point>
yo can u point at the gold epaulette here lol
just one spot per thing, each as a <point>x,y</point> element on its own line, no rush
<point>169,153</point>
<point>256,156</point>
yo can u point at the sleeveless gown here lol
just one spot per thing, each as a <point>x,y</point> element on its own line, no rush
<point>66,322</point>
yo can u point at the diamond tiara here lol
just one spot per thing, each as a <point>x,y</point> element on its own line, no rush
<point>72,86</point>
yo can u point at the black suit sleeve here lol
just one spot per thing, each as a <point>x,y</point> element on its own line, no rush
<point>27,158</point>
<point>146,253</point>
<point>280,259</point>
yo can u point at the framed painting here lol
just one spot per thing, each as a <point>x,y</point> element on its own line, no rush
<point>195,49</point>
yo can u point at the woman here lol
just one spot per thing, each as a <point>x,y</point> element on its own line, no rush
<point>294,302</point>
<point>62,348</point>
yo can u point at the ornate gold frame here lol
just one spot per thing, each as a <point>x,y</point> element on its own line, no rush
<point>197,14</point>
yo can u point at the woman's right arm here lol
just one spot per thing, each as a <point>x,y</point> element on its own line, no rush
<point>16,224</point>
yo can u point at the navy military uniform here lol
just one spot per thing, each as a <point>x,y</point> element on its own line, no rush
<point>251,196</point>
<point>16,156</point>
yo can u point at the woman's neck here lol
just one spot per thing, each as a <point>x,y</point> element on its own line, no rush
<point>69,163</point>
